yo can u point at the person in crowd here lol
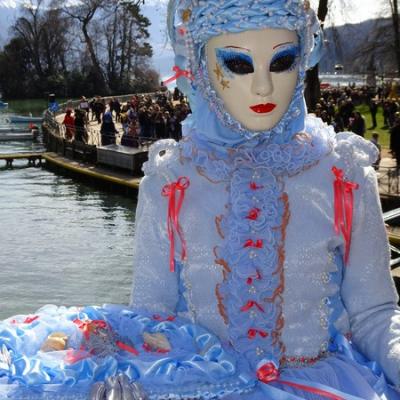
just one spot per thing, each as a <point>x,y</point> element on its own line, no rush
<point>69,123</point>
<point>373,108</point>
<point>108,130</point>
<point>395,139</point>
<point>130,137</point>
<point>81,134</point>
<point>99,109</point>
<point>375,141</point>
<point>357,124</point>
<point>84,106</point>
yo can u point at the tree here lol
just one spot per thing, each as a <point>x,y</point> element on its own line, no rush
<point>94,47</point>
<point>120,44</point>
<point>126,34</point>
<point>396,25</point>
<point>313,91</point>
<point>15,76</point>
<point>84,14</point>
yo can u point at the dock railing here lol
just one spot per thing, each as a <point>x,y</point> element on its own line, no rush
<point>389,182</point>
<point>57,139</point>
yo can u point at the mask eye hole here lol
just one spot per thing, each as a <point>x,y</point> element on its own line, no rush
<point>237,63</point>
<point>284,61</point>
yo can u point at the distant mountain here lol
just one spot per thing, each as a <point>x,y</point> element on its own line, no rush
<point>360,48</point>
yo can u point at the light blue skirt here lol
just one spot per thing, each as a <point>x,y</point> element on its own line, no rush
<point>106,341</point>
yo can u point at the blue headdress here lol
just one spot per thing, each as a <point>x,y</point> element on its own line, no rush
<point>192,23</point>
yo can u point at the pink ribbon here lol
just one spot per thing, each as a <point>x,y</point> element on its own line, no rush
<point>344,204</point>
<point>268,373</point>
<point>176,193</point>
<point>179,73</point>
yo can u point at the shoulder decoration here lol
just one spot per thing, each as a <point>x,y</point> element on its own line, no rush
<point>162,154</point>
<point>354,151</point>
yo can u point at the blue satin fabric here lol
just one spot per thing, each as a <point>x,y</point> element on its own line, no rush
<point>197,357</point>
<point>198,364</point>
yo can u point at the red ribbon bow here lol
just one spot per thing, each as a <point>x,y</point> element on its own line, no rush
<point>87,327</point>
<point>250,304</point>
<point>127,348</point>
<point>252,333</point>
<point>254,186</point>
<point>268,373</point>
<point>175,191</point>
<point>257,244</point>
<point>179,73</point>
<point>254,213</point>
<point>344,203</point>
<point>250,279</point>
<point>159,318</point>
<point>29,320</point>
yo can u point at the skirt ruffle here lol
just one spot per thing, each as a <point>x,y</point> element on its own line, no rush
<point>169,357</point>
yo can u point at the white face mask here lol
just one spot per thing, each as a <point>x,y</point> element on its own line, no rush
<point>255,74</point>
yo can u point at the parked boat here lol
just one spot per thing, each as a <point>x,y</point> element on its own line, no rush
<point>3,105</point>
<point>14,136</point>
<point>394,236</point>
<point>22,119</point>
<point>14,129</point>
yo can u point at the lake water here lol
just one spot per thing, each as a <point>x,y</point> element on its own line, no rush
<point>61,242</point>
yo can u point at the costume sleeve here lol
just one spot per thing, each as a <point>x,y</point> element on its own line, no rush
<point>154,287</point>
<point>368,290</point>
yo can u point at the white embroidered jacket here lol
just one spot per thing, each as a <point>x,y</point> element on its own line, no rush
<point>366,290</point>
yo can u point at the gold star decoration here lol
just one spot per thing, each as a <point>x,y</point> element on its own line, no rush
<point>225,84</point>
<point>186,15</point>
<point>218,72</point>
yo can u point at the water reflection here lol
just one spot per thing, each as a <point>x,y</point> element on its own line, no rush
<point>61,242</point>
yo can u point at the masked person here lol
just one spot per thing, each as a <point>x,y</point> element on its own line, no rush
<point>255,277</point>
<point>264,216</point>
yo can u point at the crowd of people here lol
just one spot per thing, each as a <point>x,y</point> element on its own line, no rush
<point>147,118</point>
<point>144,118</point>
<point>338,107</point>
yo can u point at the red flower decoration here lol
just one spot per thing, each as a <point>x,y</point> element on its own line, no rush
<point>254,186</point>
<point>250,279</point>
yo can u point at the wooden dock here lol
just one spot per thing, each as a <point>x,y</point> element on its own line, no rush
<point>103,176</point>
<point>34,159</point>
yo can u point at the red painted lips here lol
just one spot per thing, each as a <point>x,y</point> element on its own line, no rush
<point>263,108</point>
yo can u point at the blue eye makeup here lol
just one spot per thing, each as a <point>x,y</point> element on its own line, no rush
<point>285,60</point>
<point>235,62</point>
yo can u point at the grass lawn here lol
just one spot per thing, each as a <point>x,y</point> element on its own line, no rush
<point>384,136</point>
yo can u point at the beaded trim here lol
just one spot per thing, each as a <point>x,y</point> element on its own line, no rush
<point>300,362</point>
